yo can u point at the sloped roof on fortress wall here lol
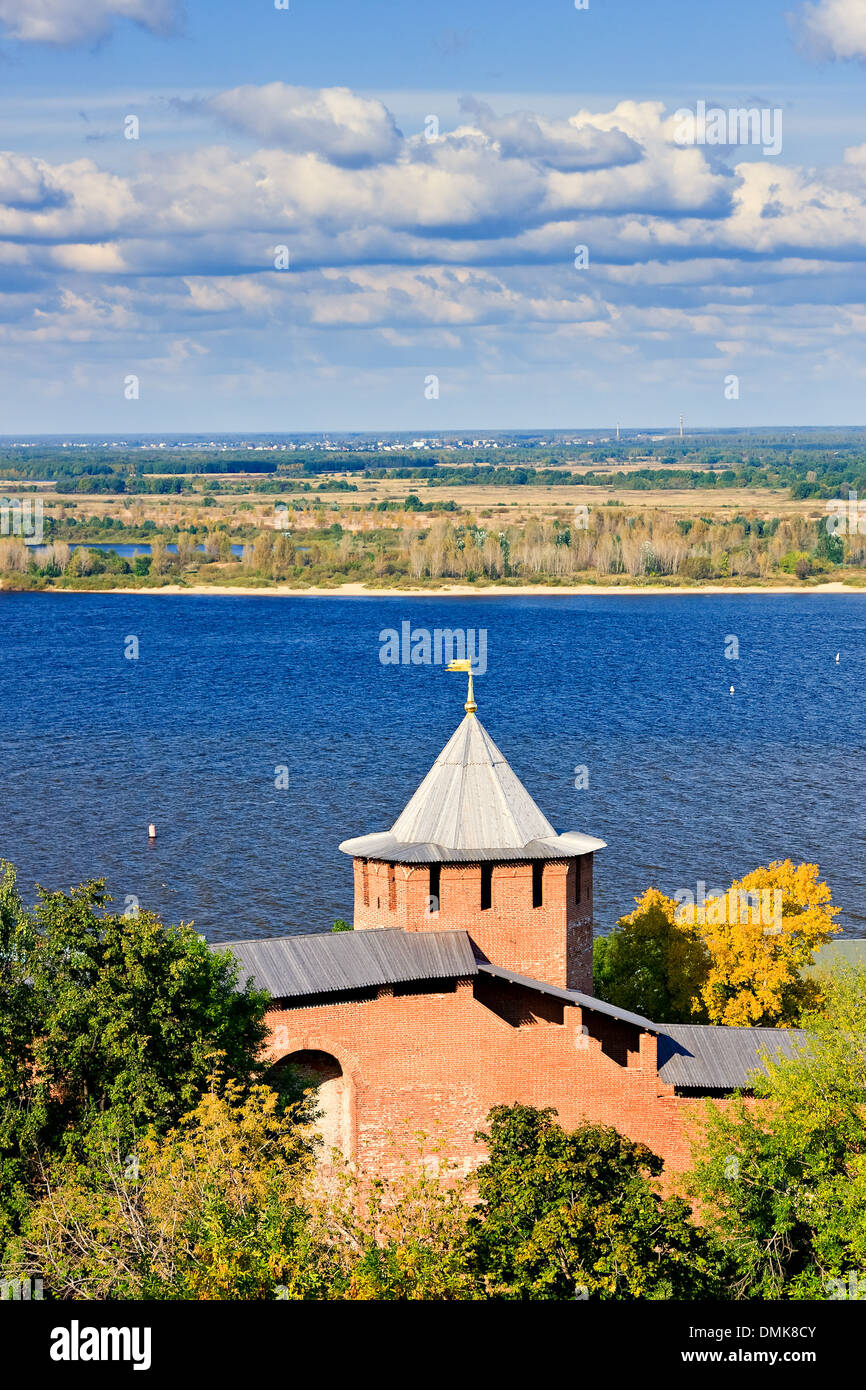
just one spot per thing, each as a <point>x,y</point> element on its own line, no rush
<point>333,962</point>
<point>708,1057</point>
<point>690,1056</point>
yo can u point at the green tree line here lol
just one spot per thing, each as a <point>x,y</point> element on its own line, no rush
<point>145,1154</point>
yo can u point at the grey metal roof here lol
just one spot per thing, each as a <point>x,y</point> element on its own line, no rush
<point>711,1057</point>
<point>571,996</point>
<point>689,1055</point>
<point>332,962</point>
<point>470,806</point>
<point>386,846</point>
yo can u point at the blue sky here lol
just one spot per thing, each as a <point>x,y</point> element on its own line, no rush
<point>409,256</point>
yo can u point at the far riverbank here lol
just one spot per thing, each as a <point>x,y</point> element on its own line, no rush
<point>461,590</point>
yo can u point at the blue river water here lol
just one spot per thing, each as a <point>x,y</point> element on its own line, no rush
<point>256,733</point>
<point>129,550</point>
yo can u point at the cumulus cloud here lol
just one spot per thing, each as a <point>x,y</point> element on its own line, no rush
<point>566,145</point>
<point>447,199</point>
<point>26,183</point>
<point>66,22</point>
<point>834,28</point>
<point>446,297</point>
<point>63,202</point>
<point>332,122</point>
<point>456,200</point>
<point>463,244</point>
<point>73,317</point>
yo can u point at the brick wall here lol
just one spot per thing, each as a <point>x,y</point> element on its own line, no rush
<point>438,1061</point>
<point>551,942</point>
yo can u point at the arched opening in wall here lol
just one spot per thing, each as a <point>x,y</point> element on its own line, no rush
<point>333,1098</point>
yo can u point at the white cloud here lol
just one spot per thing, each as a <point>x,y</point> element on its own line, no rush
<point>567,145</point>
<point>451,199</point>
<point>25,182</point>
<point>79,318</point>
<point>62,202</point>
<point>332,122</point>
<point>445,297</point>
<point>462,246</point>
<point>457,201</point>
<point>98,257</point>
<point>835,28</point>
<point>66,22</point>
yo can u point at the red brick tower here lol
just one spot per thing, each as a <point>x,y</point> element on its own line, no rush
<point>473,852</point>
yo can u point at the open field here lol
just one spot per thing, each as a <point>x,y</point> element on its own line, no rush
<point>508,504</point>
<point>669,520</point>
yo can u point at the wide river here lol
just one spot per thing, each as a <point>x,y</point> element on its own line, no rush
<point>256,733</point>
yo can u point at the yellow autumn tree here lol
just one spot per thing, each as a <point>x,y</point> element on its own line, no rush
<point>760,936</point>
<point>214,1210</point>
<point>653,963</point>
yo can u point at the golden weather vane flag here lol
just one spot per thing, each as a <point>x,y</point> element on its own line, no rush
<point>470,706</point>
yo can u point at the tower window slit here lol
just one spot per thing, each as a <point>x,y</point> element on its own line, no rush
<point>435,875</point>
<point>486,886</point>
<point>537,876</point>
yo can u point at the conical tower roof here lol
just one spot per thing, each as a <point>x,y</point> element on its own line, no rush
<point>471,797</point>
<point>471,806</point>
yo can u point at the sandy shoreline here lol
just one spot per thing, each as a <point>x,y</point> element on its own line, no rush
<point>469,591</point>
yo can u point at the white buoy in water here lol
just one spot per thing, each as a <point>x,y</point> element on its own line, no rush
<point>837,658</point>
<point>731,691</point>
<point>151,832</point>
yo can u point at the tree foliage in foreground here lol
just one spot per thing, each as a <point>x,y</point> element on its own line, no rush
<point>783,1184</point>
<point>108,1017</point>
<point>208,1211</point>
<point>227,1206</point>
<point>565,1215</point>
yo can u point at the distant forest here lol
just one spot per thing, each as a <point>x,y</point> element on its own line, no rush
<point>821,467</point>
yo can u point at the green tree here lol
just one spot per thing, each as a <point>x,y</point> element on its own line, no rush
<point>227,1206</point>
<point>565,1215</point>
<point>829,547</point>
<point>783,1185</point>
<point>406,1237</point>
<point>107,1015</point>
<point>17,1035</point>
<point>650,963</point>
<point>212,1210</point>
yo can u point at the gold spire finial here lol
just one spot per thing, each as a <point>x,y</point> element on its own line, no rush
<point>470,706</point>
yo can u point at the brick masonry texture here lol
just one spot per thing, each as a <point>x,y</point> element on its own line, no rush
<point>435,1057</point>
<point>552,942</point>
<point>438,1061</point>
